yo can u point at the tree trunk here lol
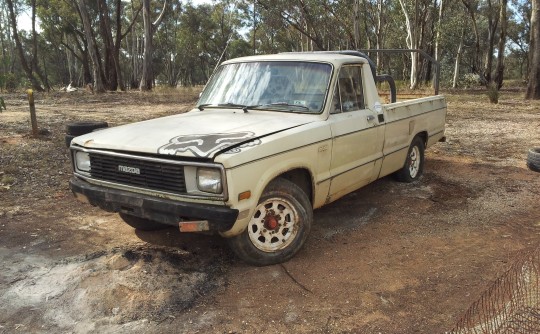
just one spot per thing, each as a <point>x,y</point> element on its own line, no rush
<point>98,83</point>
<point>380,29</point>
<point>146,78</point>
<point>499,72</point>
<point>134,82</point>
<point>147,73</point>
<point>81,45</point>
<point>254,31</point>
<point>411,41</point>
<point>458,59</point>
<point>492,27</point>
<point>87,74</point>
<point>34,62</point>
<point>476,55</point>
<point>117,45</point>
<point>438,35</point>
<point>356,25</point>
<point>3,43</point>
<point>106,35</point>
<point>24,64</point>
<point>533,87</point>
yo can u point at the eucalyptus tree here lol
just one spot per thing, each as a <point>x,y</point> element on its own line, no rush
<point>501,47</point>
<point>7,53</point>
<point>147,76</point>
<point>29,66</point>
<point>97,73</point>
<point>518,34</point>
<point>168,41</point>
<point>191,43</point>
<point>418,14</point>
<point>533,87</point>
<point>62,27</point>
<point>308,17</point>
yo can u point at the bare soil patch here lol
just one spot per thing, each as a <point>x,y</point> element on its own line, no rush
<point>389,258</point>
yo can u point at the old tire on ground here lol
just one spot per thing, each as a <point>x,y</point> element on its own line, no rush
<point>142,224</point>
<point>82,128</point>
<point>414,163</point>
<point>68,140</point>
<point>279,227</point>
<point>533,159</point>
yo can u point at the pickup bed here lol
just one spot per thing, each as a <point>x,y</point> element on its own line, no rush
<point>271,139</point>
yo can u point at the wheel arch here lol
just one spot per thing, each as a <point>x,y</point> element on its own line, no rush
<point>303,178</point>
<point>423,135</point>
<point>300,176</point>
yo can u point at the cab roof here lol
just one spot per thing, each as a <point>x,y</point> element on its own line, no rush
<point>328,57</point>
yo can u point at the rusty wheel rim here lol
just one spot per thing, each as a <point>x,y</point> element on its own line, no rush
<point>273,226</point>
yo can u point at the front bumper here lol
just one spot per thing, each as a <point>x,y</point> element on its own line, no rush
<point>165,211</point>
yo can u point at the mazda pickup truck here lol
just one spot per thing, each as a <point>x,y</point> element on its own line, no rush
<point>271,139</point>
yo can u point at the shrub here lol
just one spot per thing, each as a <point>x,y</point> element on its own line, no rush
<point>10,82</point>
<point>493,93</point>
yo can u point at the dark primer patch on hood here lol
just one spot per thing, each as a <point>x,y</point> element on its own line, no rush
<point>257,141</point>
<point>204,146</point>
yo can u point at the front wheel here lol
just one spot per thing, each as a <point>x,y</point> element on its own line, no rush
<point>414,163</point>
<point>278,228</point>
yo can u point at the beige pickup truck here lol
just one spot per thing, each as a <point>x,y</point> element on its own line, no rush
<point>271,139</point>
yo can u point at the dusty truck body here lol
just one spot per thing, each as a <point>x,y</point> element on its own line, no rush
<point>271,139</point>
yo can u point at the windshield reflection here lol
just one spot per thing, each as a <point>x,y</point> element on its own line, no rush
<point>282,86</point>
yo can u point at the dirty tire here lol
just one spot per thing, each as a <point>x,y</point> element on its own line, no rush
<point>68,140</point>
<point>533,159</point>
<point>414,164</point>
<point>81,128</point>
<point>278,228</point>
<point>142,224</point>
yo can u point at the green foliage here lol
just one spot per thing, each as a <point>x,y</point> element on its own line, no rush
<point>9,82</point>
<point>470,80</point>
<point>493,93</point>
<point>192,39</point>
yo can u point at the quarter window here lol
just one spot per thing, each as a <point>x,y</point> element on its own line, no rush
<point>349,93</point>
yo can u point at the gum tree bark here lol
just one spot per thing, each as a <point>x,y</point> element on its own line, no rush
<point>98,83</point>
<point>533,87</point>
<point>499,71</point>
<point>149,29</point>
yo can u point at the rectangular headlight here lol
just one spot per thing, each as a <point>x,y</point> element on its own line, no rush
<point>209,180</point>
<point>82,161</point>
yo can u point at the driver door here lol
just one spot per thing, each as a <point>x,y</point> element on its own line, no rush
<point>357,137</point>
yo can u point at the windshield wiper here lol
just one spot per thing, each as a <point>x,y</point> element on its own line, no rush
<point>236,105</point>
<point>228,104</point>
<point>201,106</point>
<point>285,104</point>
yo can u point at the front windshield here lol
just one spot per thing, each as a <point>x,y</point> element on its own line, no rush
<point>273,85</point>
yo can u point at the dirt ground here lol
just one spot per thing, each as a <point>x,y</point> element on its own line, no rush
<point>389,258</point>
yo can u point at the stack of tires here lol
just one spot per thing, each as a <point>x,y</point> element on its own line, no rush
<point>533,159</point>
<point>81,128</point>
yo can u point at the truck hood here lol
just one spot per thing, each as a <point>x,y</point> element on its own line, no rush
<point>201,134</point>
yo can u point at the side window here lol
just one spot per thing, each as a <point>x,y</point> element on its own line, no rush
<point>349,89</point>
<point>337,101</point>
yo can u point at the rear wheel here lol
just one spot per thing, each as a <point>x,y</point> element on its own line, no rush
<point>278,228</point>
<point>533,159</point>
<point>414,163</point>
<point>142,224</point>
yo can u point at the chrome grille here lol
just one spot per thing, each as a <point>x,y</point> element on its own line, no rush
<point>154,175</point>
